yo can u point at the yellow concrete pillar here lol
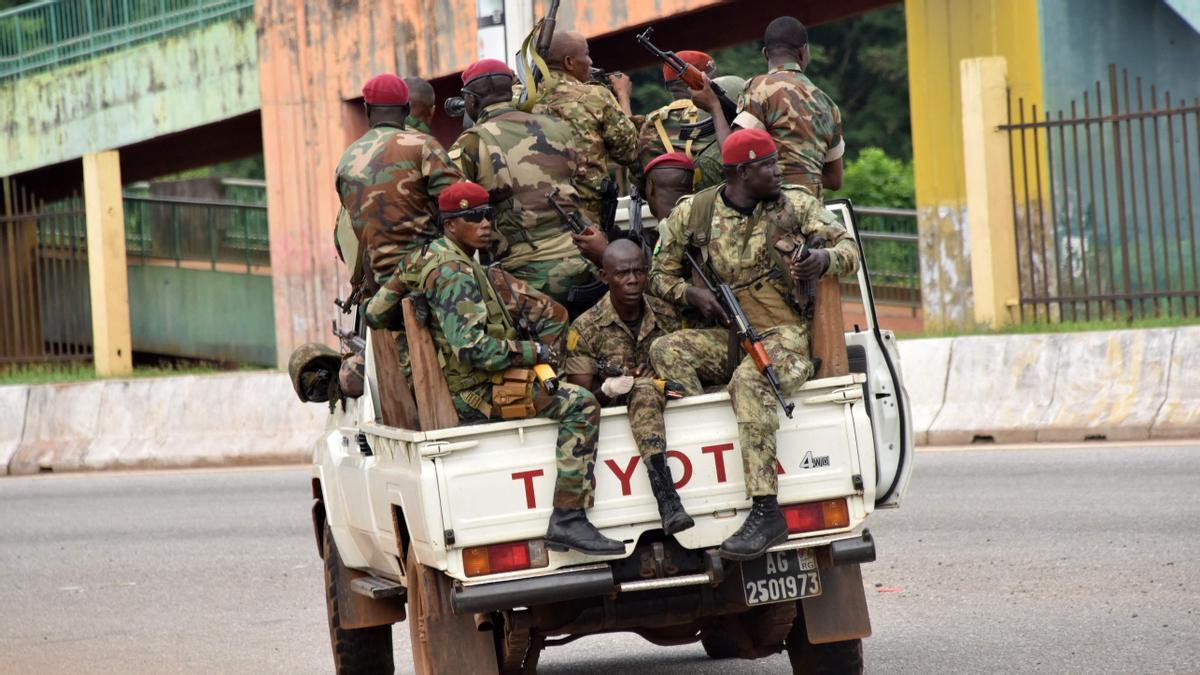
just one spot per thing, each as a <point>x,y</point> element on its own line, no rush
<point>994,276</point>
<point>111,344</point>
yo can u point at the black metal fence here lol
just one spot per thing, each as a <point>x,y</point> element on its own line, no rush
<point>1105,204</point>
<point>889,242</point>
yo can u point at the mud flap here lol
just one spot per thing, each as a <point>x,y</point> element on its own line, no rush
<point>840,612</point>
<point>359,611</point>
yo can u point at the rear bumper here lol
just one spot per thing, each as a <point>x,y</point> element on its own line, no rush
<point>598,579</point>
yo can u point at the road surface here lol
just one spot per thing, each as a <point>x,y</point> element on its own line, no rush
<point>1056,560</point>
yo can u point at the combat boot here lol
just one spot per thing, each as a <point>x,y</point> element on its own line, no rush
<point>764,528</point>
<point>670,509</point>
<point>570,529</point>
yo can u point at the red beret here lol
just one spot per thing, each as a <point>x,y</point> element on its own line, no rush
<point>747,145</point>
<point>385,89</point>
<point>701,60</point>
<point>462,196</point>
<point>485,67</point>
<point>671,160</point>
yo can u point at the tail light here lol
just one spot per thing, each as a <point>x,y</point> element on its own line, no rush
<point>508,557</point>
<point>827,515</point>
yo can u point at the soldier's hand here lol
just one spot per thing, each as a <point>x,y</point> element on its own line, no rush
<point>617,386</point>
<point>707,304</point>
<point>621,84</point>
<point>705,98</point>
<point>421,308</point>
<point>811,267</point>
<point>591,244</point>
<point>546,354</point>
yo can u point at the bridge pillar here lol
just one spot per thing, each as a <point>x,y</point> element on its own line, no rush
<point>107,275</point>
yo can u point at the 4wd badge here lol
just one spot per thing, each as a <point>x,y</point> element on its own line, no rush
<point>811,462</point>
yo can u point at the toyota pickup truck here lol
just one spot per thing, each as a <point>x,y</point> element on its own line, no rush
<point>443,528</point>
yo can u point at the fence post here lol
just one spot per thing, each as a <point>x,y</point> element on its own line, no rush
<point>994,276</point>
<point>107,273</point>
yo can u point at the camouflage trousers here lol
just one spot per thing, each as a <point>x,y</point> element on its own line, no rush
<point>646,418</point>
<point>578,415</point>
<point>556,277</point>
<point>689,356</point>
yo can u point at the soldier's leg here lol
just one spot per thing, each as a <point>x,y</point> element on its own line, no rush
<point>646,404</point>
<point>756,409</point>
<point>691,357</point>
<point>578,414</point>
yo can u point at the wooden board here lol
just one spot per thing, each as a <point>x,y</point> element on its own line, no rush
<point>828,338</point>
<point>435,408</point>
<point>396,403</point>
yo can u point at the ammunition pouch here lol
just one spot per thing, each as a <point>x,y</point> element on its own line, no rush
<point>512,394</point>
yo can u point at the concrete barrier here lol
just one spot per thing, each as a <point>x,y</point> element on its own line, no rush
<point>12,422</point>
<point>997,389</point>
<point>1110,385</point>
<point>210,420</point>
<point>924,365</point>
<point>1180,413</point>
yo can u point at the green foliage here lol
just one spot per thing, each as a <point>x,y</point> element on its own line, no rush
<point>82,371</point>
<point>876,179</point>
<point>246,167</point>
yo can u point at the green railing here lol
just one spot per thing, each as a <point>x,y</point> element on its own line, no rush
<point>53,32</point>
<point>206,231</point>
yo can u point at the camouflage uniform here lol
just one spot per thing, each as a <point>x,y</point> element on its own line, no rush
<point>476,340</point>
<point>602,132</point>
<point>388,181</point>
<point>740,248</point>
<point>660,134</point>
<point>415,124</point>
<point>525,157</point>
<point>804,122</point>
<point>600,335</point>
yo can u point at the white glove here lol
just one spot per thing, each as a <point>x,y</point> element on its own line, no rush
<point>616,386</point>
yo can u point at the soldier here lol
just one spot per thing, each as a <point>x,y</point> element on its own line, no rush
<point>618,332</point>
<point>734,226</point>
<point>601,126</point>
<point>668,178</point>
<point>422,102</point>
<point>804,122</point>
<point>476,339</point>
<point>660,132</point>
<point>519,158</point>
<point>388,180</point>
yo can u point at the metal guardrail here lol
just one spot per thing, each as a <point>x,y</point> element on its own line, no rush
<point>53,32</point>
<point>218,232</point>
<point>889,242</point>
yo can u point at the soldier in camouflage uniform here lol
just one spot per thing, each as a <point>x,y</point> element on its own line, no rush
<point>599,122</point>
<point>659,134</point>
<point>421,101</point>
<point>804,122</point>
<point>477,341</point>
<point>519,157</point>
<point>735,226</point>
<point>617,333</point>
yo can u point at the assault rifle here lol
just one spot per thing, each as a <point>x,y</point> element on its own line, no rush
<point>351,340</point>
<point>579,298</point>
<point>669,388</point>
<point>805,293</point>
<point>690,75</point>
<point>571,222</point>
<point>637,231</point>
<point>740,324</point>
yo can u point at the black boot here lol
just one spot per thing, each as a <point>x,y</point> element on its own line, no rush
<point>570,529</point>
<point>674,518</point>
<point>764,528</point>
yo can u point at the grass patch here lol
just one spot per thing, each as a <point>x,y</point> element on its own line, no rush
<point>1063,327</point>
<point>82,371</point>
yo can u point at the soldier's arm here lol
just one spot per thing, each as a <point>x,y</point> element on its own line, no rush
<point>752,107</point>
<point>440,173</point>
<point>831,172</point>
<point>619,133</point>
<point>580,365</point>
<point>464,153</point>
<point>843,252</point>
<point>383,311</point>
<point>666,278</point>
<point>456,302</point>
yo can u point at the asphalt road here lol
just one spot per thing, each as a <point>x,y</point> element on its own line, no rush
<point>1040,560</point>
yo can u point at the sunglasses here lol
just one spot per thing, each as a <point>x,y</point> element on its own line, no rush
<point>475,215</point>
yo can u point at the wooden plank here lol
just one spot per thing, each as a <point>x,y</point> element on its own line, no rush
<point>396,403</point>
<point>434,405</point>
<point>828,338</point>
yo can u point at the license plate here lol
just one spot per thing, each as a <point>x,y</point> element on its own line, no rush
<point>780,576</point>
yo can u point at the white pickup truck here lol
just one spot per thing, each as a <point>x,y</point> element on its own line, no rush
<point>443,528</point>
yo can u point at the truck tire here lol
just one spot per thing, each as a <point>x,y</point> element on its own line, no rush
<point>719,645</point>
<point>833,658</point>
<point>356,651</point>
<point>442,641</point>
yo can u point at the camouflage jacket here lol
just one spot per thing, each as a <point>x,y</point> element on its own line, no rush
<point>601,130</point>
<point>471,328</point>
<point>523,156</point>
<point>388,181</point>
<point>805,123</point>
<point>741,250</point>
<point>415,124</point>
<point>599,334</point>
<point>704,150</point>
